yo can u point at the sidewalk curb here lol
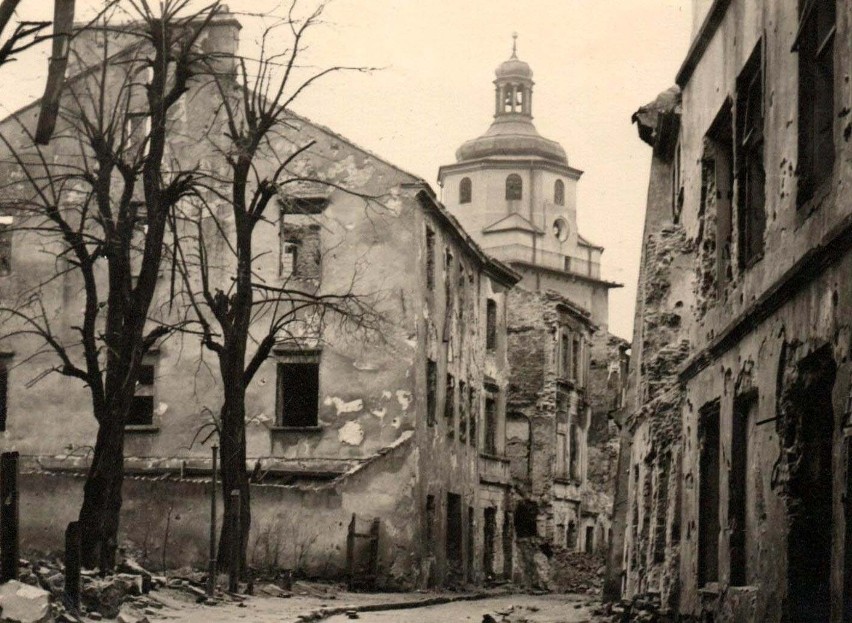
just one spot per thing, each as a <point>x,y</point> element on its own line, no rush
<point>325,613</point>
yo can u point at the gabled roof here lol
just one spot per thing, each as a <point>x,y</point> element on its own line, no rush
<point>513,222</point>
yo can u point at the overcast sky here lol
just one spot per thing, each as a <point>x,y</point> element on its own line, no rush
<point>594,63</point>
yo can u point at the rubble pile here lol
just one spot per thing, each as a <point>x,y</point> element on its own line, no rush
<point>576,572</point>
<point>641,609</point>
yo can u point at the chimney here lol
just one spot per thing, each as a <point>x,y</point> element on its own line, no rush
<point>223,37</point>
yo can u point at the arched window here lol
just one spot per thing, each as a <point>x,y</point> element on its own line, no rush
<point>514,187</point>
<point>559,193</point>
<point>465,190</point>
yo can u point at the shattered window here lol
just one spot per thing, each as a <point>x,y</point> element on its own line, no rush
<point>430,258</point>
<point>815,45</point>
<point>136,130</point>
<point>751,177</point>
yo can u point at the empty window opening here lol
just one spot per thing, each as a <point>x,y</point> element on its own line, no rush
<point>474,418</point>
<point>430,258</point>
<point>739,500</point>
<point>810,500</point>
<point>431,392</point>
<point>561,455</point>
<point>565,354</point>
<point>300,250</point>
<point>559,192</point>
<point>450,407</point>
<point>464,403</point>
<point>5,245</point>
<point>708,495</point>
<point>491,324</point>
<point>298,390</point>
<point>470,543</point>
<point>815,45</point>
<point>430,523</point>
<point>526,517</point>
<point>574,451</point>
<point>142,407</point>
<point>491,424</point>
<point>454,536</point>
<point>590,539</point>
<point>465,190</point>
<point>4,394</point>
<point>507,546</point>
<point>514,187</point>
<point>576,350</point>
<point>489,534</point>
<point>571,535</point>
<point>289,257</point>
<point>717,177</point>
<point>751,177</point>
<point>137,128</point>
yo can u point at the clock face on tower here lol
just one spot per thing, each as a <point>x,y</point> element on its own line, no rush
<point>561,229</point>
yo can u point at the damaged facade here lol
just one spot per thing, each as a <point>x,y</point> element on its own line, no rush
<point>734,504</point>
<point>408,430</point>
<point>516,194</point>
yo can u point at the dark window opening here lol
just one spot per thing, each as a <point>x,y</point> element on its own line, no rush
<point>298,394</point>
<point>431,392</point>
<point>142,406</point>
<point>590,539</point>
<point>810,498</point>
<point>430,259</point>
<point>5,245</point>
<point>464,402</point>
<point>4,395</point>
<point>738,500</point>
<point>300,250</point>
<point>290,258</point>
<point>474,418</point>
<point>559,193</point>
<point>514,187</point>
<point>491,324</point>
<point>815,45</point>
<point>575,359</point>
<point>507,546</point>
<point>526,517</point>
<point>717,178</point>
<point>450,407</point>
<point>574,451</point>
<point>430,521</point>
<point>471,538</point>
<point>465,190</point>
<point>489,534</point>
<point>708,495</point>
<point>751,177</point>
<point>490,424</point>
<point>571,535</point>
<point>565,352</point>
<point>454,535</point>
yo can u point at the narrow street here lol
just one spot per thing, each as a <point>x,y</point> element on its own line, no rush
<point>511,608</point>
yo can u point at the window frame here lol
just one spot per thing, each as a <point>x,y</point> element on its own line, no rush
<point>559,193</point>
<point>514,187</point>
<point>296,356</point>
<point>465,190</point>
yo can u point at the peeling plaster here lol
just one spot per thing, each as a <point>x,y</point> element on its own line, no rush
<point>404,398</point>
<point>352,406</point>
<point>365,366</point>
<point>162,408</point>
<point>351,433</point>
<point>379,413</point>
<point>396,422</point>
<point>387,395</point>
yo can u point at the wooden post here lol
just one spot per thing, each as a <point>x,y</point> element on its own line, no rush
<point>9,516</point>
<point>236,538</point>
<point>211,570</point>
<point>71,598</point>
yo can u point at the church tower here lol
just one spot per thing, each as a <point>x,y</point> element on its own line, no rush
<point>515,193</point>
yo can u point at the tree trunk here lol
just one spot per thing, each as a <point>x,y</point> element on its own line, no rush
<point>232,455</point>
<point>100,512</point>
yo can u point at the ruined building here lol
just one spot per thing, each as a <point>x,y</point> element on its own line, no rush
<point>735,496</point>
<point>516,194</point>
<point>403,433</point>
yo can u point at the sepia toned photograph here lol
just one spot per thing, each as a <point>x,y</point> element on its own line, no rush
<point>478,311</point>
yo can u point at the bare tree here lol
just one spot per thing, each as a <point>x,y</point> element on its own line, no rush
<point>240,315</point>
<point>98,199</point>
<point>25,35</point>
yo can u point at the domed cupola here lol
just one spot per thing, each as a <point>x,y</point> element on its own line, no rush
<point>512,134</point>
